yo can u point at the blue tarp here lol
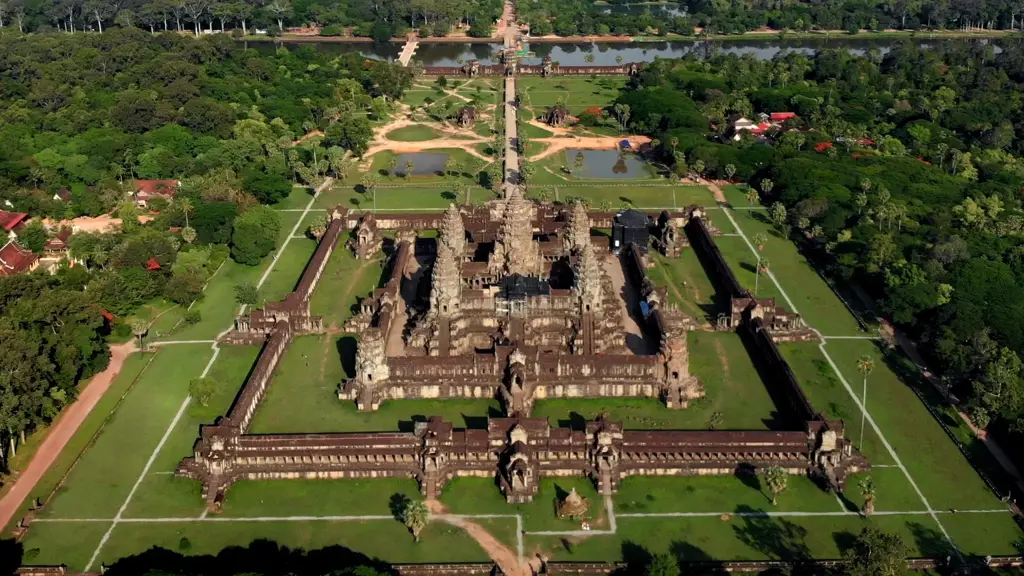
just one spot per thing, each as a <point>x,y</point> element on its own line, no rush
<point>625,145</point>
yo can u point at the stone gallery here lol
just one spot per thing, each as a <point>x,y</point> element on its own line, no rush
<point>518,301</point>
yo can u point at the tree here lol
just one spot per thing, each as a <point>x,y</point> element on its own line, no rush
<point>776,479</point>
<point>188,234</point>
<point>767,185</point>
<point>185,205</point>
<point>577,163</point>
<point>351,132</point>
<point>279,9</point>
<point>318,227</point>
<point>202,389</point>
<point>255,234</point>
<point>33,236</point>
<point>778,213</point>
<point>865,364</point>
<point>730,171</point>
<point>247,294</point>
<point>139,329</point>
<point>267,188</point>
<point>752,196</point>
<point>760,239</point>
<point>876,553</point>
<point>698,167</point>
<point>415,515</point>
<point>867,489</point>
<point>662,565</point>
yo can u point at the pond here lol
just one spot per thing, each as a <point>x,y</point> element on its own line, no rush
<point>606,53</point>
<point>607,164</point>
<point>423,163</point>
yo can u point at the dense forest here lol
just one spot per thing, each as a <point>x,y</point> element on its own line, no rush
<point>90,113</point>
<point>384,19</point>
<point>902,173</point>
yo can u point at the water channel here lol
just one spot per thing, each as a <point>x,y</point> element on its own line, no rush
<point>605,54</point>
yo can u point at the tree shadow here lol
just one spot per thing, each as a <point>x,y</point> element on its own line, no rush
<point>397,505</point>
<point>748,476</point>
<point>931,542</point>
<point>575,421</point>
<point>260,557</point>
<point>449,196</point>
<point>636,558</point>
<point>845,540</point>
<point>776,538</point>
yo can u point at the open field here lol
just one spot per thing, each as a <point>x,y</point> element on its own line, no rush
<point>577,94</point>
<point>604,194</point>
<point>687,284</point>
<point>397,196</point>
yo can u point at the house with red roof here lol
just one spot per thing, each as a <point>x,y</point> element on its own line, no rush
<point>780,117</point>
<point>742,124</point>
<point>59,243</point>
<point>12,222</point>
<point>15,260</point>
<point>146,190</point>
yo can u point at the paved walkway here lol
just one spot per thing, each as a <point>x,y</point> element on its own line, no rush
<point>61,431</point>
<point>408,50</point>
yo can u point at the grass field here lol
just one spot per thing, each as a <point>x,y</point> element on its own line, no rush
<point>413,133</point>
<point>576,93</point>
<point>616,196</point>
<point>423,198</point>
<point>687,284</point>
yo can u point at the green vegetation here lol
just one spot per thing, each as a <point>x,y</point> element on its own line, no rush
<point>601,195</point>
<point>413,133</point>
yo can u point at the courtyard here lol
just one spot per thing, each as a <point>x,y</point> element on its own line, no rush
<point>114,494</point>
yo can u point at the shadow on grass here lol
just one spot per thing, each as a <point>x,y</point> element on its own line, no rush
<point>11,552</point>
<point>776,538</point>
<point>259,557</point>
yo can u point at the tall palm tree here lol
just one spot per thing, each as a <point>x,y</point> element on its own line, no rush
<point>865,364</point>
<point>760,239</point>
<point>415,516</point>
<point>139,329</point>
<point>751,196</point>
<point>867,489</point>
<point>185,205</point>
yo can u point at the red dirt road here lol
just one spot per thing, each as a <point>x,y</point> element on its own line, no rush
<point>61,431</point>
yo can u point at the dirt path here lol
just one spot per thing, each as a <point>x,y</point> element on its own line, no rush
<point>506,559</point>
<point>722,357</point>
<point>587,143</point>
<point>102,224</point>
<point>718,192</point>
<point>61,431</point>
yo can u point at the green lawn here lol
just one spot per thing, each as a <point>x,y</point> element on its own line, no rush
<point>687,284</point>
<point>616,196</point>
<point>343,283</point>
<point>402,197</point>
<point>288,271</point>
<point>413,133</point>
<point>482,496</point>
<point>100,482</point>
<point>532,131</point>
<point>387,540</point>
<point>650,494</point>
<point>736,538</point>
<point>134,365</point>
<point>576,93</point>
<point>299,197</point>
<point>303,395</point>
<point>809,292</point>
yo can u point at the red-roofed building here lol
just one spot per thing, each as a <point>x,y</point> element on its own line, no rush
<point>11,222</point>
<point>59,243</point>
<point>145,190</point>
<point>779,117</point>
<point>14,259</point>
<point>152,265</point>
<point>822,146</point>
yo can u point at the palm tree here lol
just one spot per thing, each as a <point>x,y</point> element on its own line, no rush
<point>776,479</point>
<point>139,329</point>
<point>409,167</point>
<point>449,165</point>
<point>864,365</point>
<point>577,163</point>
<point>415,516</point>
<point>392,165</point>
<point>760,239</point>
<point>185,205</point>
<point>730,171</point>
<point>766,185</point>
<point>867,489</point>
<point>751,196</point>
<point>188,234</point>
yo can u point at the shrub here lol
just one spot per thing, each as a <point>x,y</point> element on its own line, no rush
<point>193,316</point>
<point>333,30</point>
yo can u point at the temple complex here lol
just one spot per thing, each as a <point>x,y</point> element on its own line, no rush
<point>520,301</point>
